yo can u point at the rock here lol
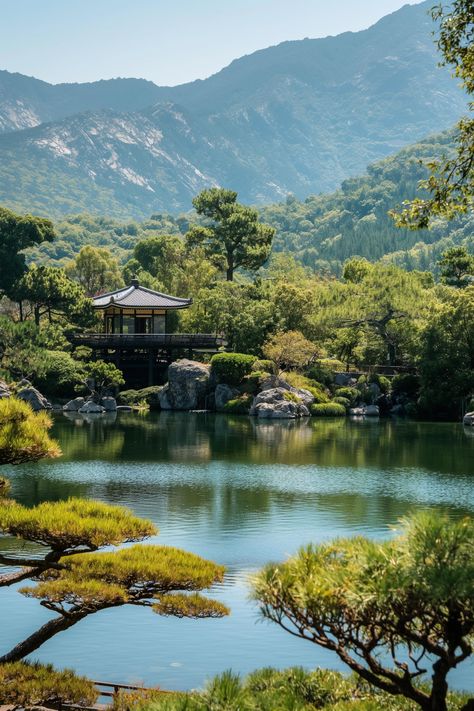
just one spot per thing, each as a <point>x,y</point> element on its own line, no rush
<point>357,411</point>
<point>187,386</point>
<point>4,390</point>
<point>124,408</point>
<point>109,404</point>
<point>74,405</point>
<point>371,411</point>
<point>468,419</point>
<point>276,383</point>
<point>342,379</point>
<point>33,397</point>
<point>91,407</point>
<point>222,395</point>
<point>276,403</point>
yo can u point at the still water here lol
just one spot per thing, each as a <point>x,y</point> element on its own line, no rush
<point>239,492</point>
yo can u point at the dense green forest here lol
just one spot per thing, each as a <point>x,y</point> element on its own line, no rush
<point>321,232</point>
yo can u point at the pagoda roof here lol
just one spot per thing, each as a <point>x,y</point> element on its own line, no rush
<point>139,297</point>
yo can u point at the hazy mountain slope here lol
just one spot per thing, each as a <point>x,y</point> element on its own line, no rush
<point>297,118</point>
<point>321,231</point>
<point>26,102</point>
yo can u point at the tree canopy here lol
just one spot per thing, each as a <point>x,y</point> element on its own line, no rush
<point>392,611</point>
<point>234,236</point>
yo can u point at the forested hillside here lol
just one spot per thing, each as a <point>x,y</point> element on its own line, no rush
<point>321,231</point>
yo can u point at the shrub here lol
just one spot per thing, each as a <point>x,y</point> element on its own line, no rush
<point>60,375</point>
<point>351,394</point>
<point>321,373</point>
<point>328,409</point>
<point>319,395</point>
<point>291,397</point>
<point>231,368</point>
<point>342,401</point>
<point>407,384</point>
<point>252,382</point>
<point>267,366</point>
<point>239,406</point>
<point>128,397</point>
<point>147,395</point>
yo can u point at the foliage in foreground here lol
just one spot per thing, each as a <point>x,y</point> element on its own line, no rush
<point>23,684</point>
<point>408,601</point>
<point>24,433</point>
<point>293,689</point>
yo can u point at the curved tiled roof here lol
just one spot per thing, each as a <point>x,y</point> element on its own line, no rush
<point>138,297</point>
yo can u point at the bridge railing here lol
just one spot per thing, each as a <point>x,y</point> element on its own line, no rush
<point>150,340</point>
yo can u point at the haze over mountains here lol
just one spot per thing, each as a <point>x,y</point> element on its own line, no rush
<point>296,118</point>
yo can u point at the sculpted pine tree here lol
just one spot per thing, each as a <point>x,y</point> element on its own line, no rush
<point>395,612</point>
<point>234,237</point>
<point>74,580</point>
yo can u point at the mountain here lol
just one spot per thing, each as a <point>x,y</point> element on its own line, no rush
<point>296,118</point>
<point>321,231</point>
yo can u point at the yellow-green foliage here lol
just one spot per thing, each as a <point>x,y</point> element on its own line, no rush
<point>239,405</point>
<point>194,606</point>
<point>297,380</point>
<point>378,596</point>
<point>328,409</point>
<point>95,580</point>
<point>291,397</point>
<point>24,433</point>
<point>23,684</point>
<point>65,525</point>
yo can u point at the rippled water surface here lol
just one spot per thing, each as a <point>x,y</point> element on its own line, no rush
<point>241,493</point>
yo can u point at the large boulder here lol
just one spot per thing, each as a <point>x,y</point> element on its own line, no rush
<point>74,405</point>
<point>109,404</point>
<point>276,383</point>
<point>91,407</point>
<point>33,397</point>
<point>468,419</point>
<point>279,403</point>
<point>222,395</point>
<point>187,386</point>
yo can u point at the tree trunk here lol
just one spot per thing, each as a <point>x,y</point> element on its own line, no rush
<point>38,638</point>
<point>439,688</point>
<point>37,315</point>
<point>230,267</point>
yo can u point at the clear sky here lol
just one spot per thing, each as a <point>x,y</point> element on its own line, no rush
<point>167,41</point>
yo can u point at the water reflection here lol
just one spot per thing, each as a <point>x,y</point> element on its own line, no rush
<point>241,492</point>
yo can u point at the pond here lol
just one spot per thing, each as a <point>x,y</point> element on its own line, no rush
<point>239,492</point>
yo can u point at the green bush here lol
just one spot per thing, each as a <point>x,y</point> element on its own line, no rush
<point>239,406</point>
<point>292,397</point>
<point>380,380</point>
<point>267,366</point>
<point>251,383</point>
<point>231,368</point>
<point>60,374</point>
<point>351,394</point>
<point>321,373</point>
<point>407,384</point>
<point>342,401</point>
<point>328,409</point>
<point>319,395</point>
<point>135,397</point>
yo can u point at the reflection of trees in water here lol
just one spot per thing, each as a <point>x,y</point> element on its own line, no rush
<point>193,437</point>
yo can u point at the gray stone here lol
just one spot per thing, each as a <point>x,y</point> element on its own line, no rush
<point>276,383</point>
<point>342,379</point>
<point>187,386</point>
<point>74,405</point>
<point>468,419</point>
<point>109,404</point>
<point>91,407</point>
<point>33,397</point>
<point>371,411</point>
<point>274,403</point>
<point>357,411</point>
<point>222,395</point>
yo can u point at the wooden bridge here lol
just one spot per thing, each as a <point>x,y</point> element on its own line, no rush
<point>108,692</point>
<point>146,341</point>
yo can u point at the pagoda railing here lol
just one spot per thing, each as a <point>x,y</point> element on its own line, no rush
<point>128,341</point>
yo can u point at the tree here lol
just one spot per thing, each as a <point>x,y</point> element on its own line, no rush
<point>447,356</point>
<point>17,233</point>
<point>457,265</point>
<point>96,270</point>
<point>451,183</point>
<point>409,600</point>
<point>289,349</point>
<point>234,237</point>
<point>103,376</point>
<point>72,578</point>
<point>53,294</point>
<point>25,685</point>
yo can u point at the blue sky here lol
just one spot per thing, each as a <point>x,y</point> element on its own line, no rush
<point>167,41</point>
